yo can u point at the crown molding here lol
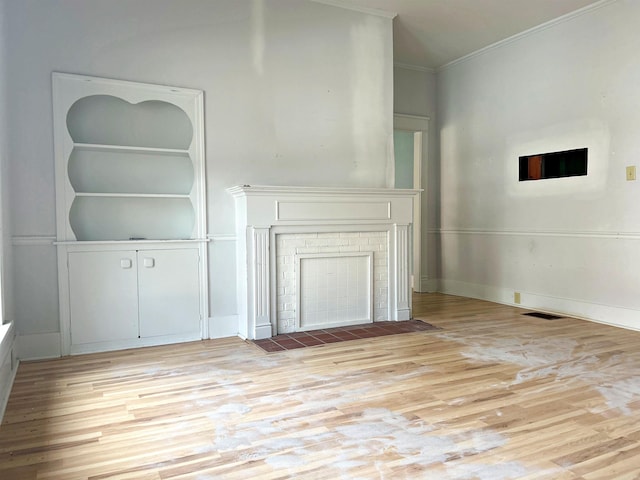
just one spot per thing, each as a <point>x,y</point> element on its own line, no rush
<point>356,8</point>
<point>532,31</point>
<point>417,68</point>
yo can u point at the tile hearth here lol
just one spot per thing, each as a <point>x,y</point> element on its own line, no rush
<point>290,341</point>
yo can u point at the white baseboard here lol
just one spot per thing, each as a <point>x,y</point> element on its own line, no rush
<point>615,316</point>
<point>47,345</point>
<point>262,331</point>
<point>8,364</point>
<point>610,315</point>
<point>127,344</point>
<point>39,346</point>
<point>223,326</point>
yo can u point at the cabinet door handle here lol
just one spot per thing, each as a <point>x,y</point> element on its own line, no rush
<point>125,263</point>
<point>149,262</point>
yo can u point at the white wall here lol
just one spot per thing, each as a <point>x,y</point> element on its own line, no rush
<point>414,93</point>
<point>8,365</point>
<point>7,275</point>
<point>296,93</point>
<point>570,245</point>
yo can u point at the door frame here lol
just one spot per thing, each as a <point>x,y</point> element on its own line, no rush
<point>419,125</point>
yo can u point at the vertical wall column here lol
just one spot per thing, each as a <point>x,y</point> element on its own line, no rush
<point>259,277</point>
<point>402,307</point>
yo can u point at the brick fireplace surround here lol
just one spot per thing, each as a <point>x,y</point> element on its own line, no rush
<point>312,258</point>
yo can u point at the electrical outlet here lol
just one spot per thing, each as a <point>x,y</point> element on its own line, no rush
<point>631,172</point>
<point>516,297</point>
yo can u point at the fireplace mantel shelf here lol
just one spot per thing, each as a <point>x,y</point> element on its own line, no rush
<point>240,190</point>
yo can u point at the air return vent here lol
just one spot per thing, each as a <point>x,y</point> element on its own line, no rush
<point>545,316</point>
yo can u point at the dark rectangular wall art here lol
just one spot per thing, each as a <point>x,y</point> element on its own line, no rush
<point>569,163</point>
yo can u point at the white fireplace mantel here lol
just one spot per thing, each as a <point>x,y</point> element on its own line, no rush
<point>262,212</point>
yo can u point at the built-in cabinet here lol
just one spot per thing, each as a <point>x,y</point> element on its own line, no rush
<point>124,294</point>
<point>130,213</point>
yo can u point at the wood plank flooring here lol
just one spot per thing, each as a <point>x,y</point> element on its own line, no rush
<point>493,395</point>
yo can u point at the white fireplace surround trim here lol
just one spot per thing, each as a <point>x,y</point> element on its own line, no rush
<point>262,212</point>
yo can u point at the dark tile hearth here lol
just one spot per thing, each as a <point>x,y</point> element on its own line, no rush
<point>290,341</point>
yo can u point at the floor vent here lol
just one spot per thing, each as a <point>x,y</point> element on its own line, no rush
<point>546,316</point>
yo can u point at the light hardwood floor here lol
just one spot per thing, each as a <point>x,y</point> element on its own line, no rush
<point>493,395</point>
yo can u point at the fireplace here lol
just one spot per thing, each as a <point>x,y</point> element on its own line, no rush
<point>312,258</point>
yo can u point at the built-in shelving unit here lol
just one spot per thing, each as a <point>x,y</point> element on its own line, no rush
<point>130,202</point>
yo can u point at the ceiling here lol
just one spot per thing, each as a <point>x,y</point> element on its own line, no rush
<point>432,33</point>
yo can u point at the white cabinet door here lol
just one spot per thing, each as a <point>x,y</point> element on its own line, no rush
<point>103,296</point>
<point>169,292</point>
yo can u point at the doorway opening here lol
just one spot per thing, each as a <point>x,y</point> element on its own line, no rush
<point>410,134</point>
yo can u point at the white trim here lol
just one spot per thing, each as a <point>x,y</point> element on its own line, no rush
<point>244,190</point>
<point>7,390</point>
<point>7,336</point>
<point>7,360</point>
<point>260,286</point>
<point>594,312</point>
<point>538,233</point>
<point>32,240</point>
<point>78,349</point>
<point>402,293</point>
<point>222,237</point>
<point>419,126</point>
<point>356,8</point>
<point>417,68</point>
<point>302,210</point>
<point>141,86</point>
<point>403,121</point>
<point>527,33</point>
<point>132,243</point>
<point>263,331</point>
